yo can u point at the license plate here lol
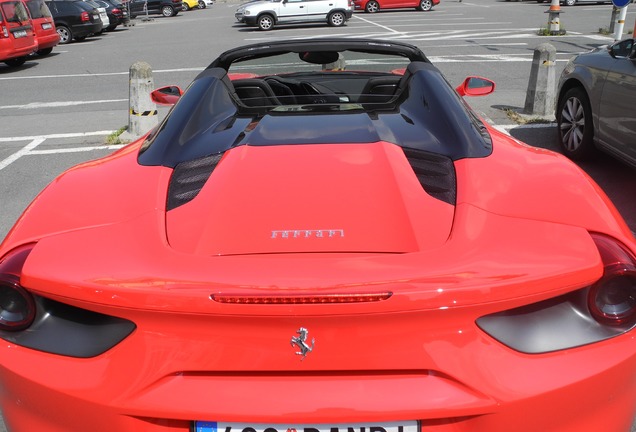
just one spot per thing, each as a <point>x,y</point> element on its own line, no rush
<point>46,26</point>
<point>96,17</point>
<point>399,426</point>
<point>19,34</point>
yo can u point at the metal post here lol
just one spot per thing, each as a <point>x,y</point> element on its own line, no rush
<point>620,24</point>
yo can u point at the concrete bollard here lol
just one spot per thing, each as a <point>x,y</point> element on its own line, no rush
<point>541,95</point>
<point>143,111</point>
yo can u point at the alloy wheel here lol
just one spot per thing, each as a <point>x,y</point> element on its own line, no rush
<point>372,7</point>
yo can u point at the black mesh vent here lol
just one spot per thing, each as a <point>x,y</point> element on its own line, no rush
<point>188,178</point>
<point>435,172</point>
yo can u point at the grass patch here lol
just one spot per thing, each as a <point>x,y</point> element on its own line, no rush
<point>545,31</point>
<point>114,138</point>
<point>520,119</point>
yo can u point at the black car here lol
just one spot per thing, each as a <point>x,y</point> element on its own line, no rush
<point>74,19</point>
<point>117,13</point>
<point>166,8</point>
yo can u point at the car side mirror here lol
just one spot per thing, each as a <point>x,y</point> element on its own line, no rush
<point>476,86</point>
<point>622,49</point>
<point>168,95</point>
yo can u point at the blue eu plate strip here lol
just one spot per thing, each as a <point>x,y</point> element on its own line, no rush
<point>205,426</point>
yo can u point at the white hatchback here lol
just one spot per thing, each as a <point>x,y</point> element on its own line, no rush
<point>265,14</point>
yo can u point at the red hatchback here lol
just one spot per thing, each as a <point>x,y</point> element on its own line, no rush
<point>44,26</point>
<point>375,5</point>
<point>17,38</point>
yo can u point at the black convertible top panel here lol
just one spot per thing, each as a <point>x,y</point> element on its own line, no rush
<point>428,116</point>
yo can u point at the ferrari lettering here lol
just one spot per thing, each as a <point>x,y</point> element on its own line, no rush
<point>320,233</point>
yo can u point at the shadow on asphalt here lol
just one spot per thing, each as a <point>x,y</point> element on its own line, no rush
<point>617,179</point>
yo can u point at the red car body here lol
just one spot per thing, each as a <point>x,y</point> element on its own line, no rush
<point>44,26</point>
<point>262,264</point>
<point>372,6</point>
<point>17,37</point>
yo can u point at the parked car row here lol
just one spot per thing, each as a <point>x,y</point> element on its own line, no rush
<point>265,14</point>
<point>30,27</point>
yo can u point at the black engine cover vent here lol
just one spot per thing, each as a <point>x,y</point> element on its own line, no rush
<point>435,172</point>
<point>188,179</point>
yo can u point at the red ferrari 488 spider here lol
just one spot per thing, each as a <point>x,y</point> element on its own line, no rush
<point>321,236</point>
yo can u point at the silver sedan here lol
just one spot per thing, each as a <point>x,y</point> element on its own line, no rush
<point>595,108</point>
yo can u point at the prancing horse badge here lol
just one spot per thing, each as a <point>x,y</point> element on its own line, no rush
<point>301,342</point>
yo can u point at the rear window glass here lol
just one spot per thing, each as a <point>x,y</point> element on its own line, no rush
<point>14,11</point>
<point>38,9</point>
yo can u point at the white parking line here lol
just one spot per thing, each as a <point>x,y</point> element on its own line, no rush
<point>36,105</point>
<point>25,150</point>
<point>35,141</point>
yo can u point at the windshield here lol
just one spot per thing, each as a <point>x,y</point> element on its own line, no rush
<point>337,79</point>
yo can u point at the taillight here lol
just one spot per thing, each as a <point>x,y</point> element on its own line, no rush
<point>5,32</point>
<point>17,307</point>
<point>116,11</point>
<point>85,17</point>
<point>612,300</point>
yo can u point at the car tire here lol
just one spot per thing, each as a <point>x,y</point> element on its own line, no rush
<point>167,11</point>
<point>15,62</point>
<point>372,7</point>
<point>265,22</point>
<point>202,4</point>
<point>575,125</point>
<point>186,7</point>
<point>44,52</point>
<point>66,35</point>
<point>569,2</point>
<point>425,5</point>
<point>336,19</point>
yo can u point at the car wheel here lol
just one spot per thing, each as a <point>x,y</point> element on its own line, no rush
<point>575,127</point>
<point>167,11</point>
<point>66,36</point>
<point>15,62</point>
<point>425,5</point>
<point>337,19</point>
<point>186,7</point>
<point>266,22</point>
<point>202,4</point>
<point>372,7</point>
<point>44,52</point>
<point>570,2</point>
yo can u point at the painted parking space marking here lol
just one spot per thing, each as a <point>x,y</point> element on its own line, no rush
<point>34,141</point>
<point>38,105</point>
